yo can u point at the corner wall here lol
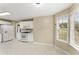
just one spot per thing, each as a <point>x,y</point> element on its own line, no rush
<point>43,29</point>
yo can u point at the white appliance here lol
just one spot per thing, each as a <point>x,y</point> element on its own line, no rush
<point>26,34</point>
<point>0,37</point>
<point>7,32</point>
<point>25,31</point>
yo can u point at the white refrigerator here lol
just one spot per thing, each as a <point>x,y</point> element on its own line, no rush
<point>6,32</point>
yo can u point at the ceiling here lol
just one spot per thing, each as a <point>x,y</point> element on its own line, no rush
<point>21,11</point>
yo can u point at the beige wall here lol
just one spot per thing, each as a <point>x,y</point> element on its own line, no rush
<point>76,7</point>
<point>43,29</point>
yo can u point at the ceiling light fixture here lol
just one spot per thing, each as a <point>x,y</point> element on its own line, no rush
<point>4,13</point>
<point>37,3</point>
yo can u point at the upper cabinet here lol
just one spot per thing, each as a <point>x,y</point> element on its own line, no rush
<point>26,24</point>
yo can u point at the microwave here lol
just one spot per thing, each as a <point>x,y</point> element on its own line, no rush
<point>26,30</point>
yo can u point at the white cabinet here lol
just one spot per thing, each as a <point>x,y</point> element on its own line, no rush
<point>26,24</point>
<point>25,32</point>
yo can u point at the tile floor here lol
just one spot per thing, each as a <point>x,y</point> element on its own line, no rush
<point>16,47</point>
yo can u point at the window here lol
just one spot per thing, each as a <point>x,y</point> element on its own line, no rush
<point>76,23</point>
<point>62,28</point>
